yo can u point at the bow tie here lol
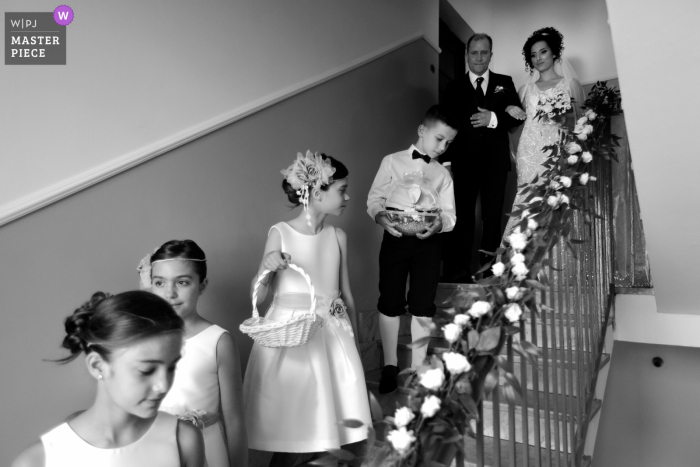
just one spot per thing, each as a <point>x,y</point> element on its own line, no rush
<point>418,155</point>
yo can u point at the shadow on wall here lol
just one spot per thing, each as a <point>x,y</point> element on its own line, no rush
<point>224,191</point>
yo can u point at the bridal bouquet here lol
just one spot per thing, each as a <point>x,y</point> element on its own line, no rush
<point>553,103</point>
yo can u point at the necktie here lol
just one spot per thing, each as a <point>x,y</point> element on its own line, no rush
<point>479,92</point>
<point>417,155</point>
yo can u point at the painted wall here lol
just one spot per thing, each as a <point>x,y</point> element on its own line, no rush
<point>139,72</point>
<point>638,320</point>
<point>587,39</point>
<point>650,414</point>
<point>661,122</point>
<point>222,190</point>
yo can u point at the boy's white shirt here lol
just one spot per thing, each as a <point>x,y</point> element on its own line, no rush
<point>394,166</point>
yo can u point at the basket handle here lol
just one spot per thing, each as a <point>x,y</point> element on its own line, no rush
<point>262,276</point>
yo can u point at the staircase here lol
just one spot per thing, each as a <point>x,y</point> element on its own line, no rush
<point>533,419</point>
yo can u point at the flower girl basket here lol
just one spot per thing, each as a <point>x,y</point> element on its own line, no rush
<point>293,332</point>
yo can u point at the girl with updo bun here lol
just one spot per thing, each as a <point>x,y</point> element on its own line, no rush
<point>297,397</point>
<point>208,383</point>
<point>131,343</point>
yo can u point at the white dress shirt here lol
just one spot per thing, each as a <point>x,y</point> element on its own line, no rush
<point>484,86</point>
<point>395,166</point>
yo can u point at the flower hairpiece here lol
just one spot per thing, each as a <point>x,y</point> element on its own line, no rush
<point>145,266</point>
<point>308,172</point>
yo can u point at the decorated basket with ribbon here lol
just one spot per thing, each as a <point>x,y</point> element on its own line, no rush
<point>412,204</point>
<point>292,332</point>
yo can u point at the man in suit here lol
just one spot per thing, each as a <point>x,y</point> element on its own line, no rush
<point>480,155</point>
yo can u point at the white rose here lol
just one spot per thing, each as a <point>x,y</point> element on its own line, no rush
<point>581,121</point>
<point>587,129</point>
<point>517,258</point>
<point>572,160</point>
<point>591,114</point>
<point>430,407</point>
<point>520,269</point>
<point>456,363</point>
<point>403,417</point>
<point>401,439</point>
<point>547,108</point>
<point>514,293</point>
<point>479,309</point>
<point>583,178</point>
<point>432,379</point>
<point>581,136</point>
<point>573,148</point>
<point>513,312</point>
<point>532,224</point>
<point>564,199</point>
<point>461,320</point>
<point>592,178</point>
<point>452,332</point>
<point>497,269</point>
<point>586,157</point>
<point>518,241</point>
<point>566,181</point>
<point>553,201</point>
<point>555,185</point>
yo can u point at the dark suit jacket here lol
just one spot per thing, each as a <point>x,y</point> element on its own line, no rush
<point>481,149</point>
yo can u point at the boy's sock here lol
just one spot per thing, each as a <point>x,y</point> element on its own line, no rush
<point>419,332</point>
<point>389,331</point>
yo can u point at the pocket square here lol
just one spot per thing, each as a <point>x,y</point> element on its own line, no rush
<point>498,89</point>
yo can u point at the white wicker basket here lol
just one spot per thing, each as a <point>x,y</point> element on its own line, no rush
<point>293,332</point>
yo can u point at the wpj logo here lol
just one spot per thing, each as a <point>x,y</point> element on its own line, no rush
<point>36,38</point>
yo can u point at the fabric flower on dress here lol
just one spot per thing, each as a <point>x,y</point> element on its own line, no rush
<point>401,439</point>
<point>403,417</point>
<point>432,379</point>
<point>456,363</point>
<point>431,406</point>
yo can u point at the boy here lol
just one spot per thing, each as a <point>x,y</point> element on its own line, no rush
<point>418,257</point>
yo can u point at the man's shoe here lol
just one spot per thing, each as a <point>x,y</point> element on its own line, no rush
<point>388,382</point>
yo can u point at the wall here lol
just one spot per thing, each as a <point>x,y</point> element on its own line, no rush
<point>650,414</point>
<point>222,190</point>
<point>587,39</point>
<point>661,121</point>
<point>139,72</point>
<point>638,320</point>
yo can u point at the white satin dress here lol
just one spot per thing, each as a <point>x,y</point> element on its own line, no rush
<point>157,448</point>
<point>196,387</point>
<point>295,397</point>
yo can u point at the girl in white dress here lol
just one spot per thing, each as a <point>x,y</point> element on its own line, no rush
<point>549,70</point>
<point>132,344</point>
<point>207,385</point>
<point>295,397</point>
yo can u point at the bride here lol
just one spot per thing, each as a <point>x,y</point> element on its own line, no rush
<point>548,70</point>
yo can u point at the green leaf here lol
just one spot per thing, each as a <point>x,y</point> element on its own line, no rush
<point>490,382</point>
<point>513,382</point>
<point>469,404</point>
<point>526,351</point>
<point>380,456</point>
<point>489,339</point>
<point>535,284</point>
<point>503,363</point>
<point>472,338</point>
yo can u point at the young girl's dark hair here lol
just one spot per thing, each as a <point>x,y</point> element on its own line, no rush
<point>107,322</point>
<point>340,173</point>
<point>553,38</point>
<point>186,249</point>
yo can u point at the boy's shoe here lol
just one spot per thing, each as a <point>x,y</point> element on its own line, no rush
<point>388,382</point>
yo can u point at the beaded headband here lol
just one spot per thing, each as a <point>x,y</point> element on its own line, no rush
<point>144,268</point>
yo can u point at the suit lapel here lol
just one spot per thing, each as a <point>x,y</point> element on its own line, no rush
<point>490,88</point>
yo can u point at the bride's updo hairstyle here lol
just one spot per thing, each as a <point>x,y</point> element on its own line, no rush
<point>185,249</point>
<point>108,322</point>
<point>553,38</point>
<point>340,173</point>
